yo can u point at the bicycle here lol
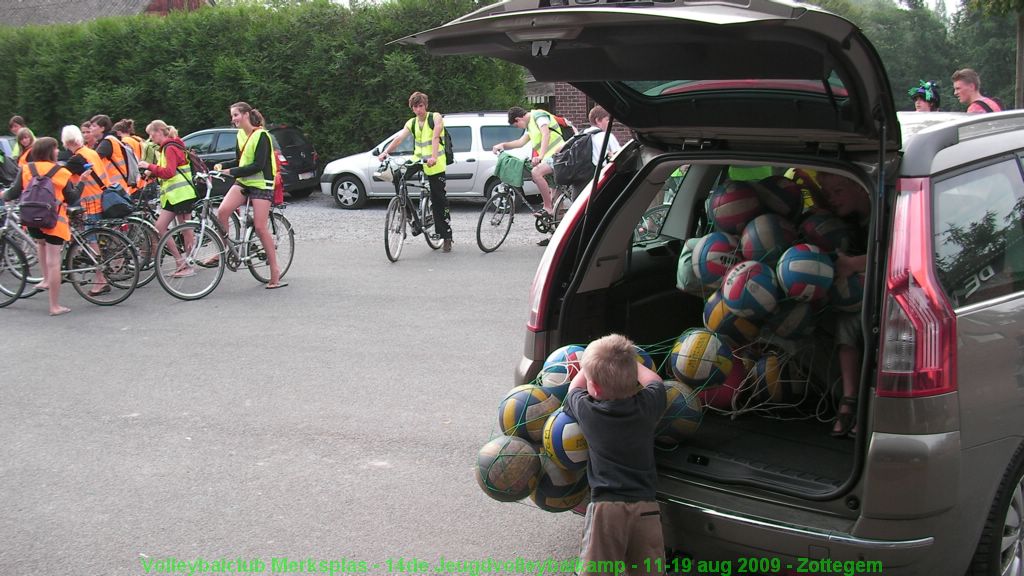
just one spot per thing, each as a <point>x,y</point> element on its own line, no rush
<point>114,257</point>
<point>13,269</point>
<point>499,211</point>
<point>140,229</point>
<point>205,248</point>
<point>401,211</point>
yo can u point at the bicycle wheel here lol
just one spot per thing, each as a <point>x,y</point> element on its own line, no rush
<point>284,244</point>
<point>495,220</point>
<point>562,204</point>
<point>144,237</point>
<point>427,219</point>
<point>13,272</point>
<point>394,229</point>
<point>202,252</point>
<point>35,268</point>
<point>110,254</point>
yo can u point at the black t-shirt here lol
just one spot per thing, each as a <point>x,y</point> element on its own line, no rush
<point>620,439</point>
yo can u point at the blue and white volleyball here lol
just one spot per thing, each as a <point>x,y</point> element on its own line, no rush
<point>560,367</point>
<point>766,237</point>
<point>683,411</point>
<point>713,255</point>
<point>564,442</point>
<point>750,290</point>
<point>847,294</point>
<point>805,273</point>
<point>524,410</point>
<point>699,358</point>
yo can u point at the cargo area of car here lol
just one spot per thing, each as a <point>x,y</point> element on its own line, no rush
<point>745,436</point>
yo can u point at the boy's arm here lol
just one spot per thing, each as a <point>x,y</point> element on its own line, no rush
<point>579,381</point>
<point>645,376</point>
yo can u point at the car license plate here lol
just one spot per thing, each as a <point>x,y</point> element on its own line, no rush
<point>306,175</point>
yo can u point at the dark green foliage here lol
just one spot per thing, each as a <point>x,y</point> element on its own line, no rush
<point>325,68</point>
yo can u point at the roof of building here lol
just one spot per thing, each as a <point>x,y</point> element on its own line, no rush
<point>25,12</point>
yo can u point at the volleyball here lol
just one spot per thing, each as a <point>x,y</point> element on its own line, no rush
<point>525,409</point>
<point>720,397</point>
<point>644,358</point>
<point>699,358</point>
<point>686,274</point>
<point>750,290</point>
<point>793,320</point>
<point>564,442</point>
<point>781,195</point>
<point>559,369</point>
<point>768,386</point>
<point>713,255</point>
<point>847,293</point>
<point>558,489</point>
<point>805,273</point>
<point>828,232</point>
<point>724,322</point>
<point>766,237</point>
<point>733,205</point>
<point>507,468</point>
<point>682,414</point>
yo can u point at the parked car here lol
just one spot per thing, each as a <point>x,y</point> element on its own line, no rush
<point>932,483</point>
<point>296,156</point>
<point>350,179</point>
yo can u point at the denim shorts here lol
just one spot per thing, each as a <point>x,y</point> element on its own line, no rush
<point>257,193</point>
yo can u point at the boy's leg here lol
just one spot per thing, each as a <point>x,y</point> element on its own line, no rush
<point>646,549</point>
<point>538,174</point>
<point>439,206</point>
<point>605,533</point>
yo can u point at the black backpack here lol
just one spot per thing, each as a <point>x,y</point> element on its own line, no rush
<point>8,169</point>
<point>574,163</point>
<point>446,139</point>
<point>39,205</point>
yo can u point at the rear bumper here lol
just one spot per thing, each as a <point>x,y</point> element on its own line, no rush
<point>707,533</point>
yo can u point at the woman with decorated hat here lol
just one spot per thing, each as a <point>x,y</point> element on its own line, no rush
<point>925,96</point>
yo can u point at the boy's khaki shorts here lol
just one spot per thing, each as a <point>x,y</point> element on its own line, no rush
<point>622,538</point>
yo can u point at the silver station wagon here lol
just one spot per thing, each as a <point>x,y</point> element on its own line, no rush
<point>932,479</point>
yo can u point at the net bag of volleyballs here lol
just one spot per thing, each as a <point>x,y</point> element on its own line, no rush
<point>700,358</point>
<point>713,255</point>
<point>559,369</point>
<point>781,196</point>
<point>564,442</point>
<point>767,383</point>
<point>766,237</point>
<point>524,410</point>
<point>734,204</point>
<point>682,414</point>
<point>507,468</point>
<point>558,489</point>
<point>725,323</point>
<point>847,293</point>
<point>805,273</point>
<point>750,290</point>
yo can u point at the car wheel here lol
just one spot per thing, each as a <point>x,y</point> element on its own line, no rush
<point>493,185</point>
<point>349,193</point>
<point>1000,550</point>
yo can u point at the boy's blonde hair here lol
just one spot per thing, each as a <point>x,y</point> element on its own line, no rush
<point>610,363</point>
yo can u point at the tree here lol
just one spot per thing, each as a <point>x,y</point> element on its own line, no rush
<point>1014,8</point>
<point>985,42</point>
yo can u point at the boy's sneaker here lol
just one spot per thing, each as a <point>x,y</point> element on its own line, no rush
<point>416,229</point>
<point>544,242</point>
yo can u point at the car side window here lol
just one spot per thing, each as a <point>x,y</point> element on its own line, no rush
<point>226,142</point>
<point>978,223</point>
<point>462,138</point>
<point>202,143</point>
<point>492,135</point>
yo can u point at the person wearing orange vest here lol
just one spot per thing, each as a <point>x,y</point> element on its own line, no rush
<point>88,170</point>
<point>254,177</point>
<point>125,131</point>
<point>111,152</point>
<point>41,160</point>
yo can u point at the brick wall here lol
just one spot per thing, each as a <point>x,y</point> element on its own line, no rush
<point>575,105</point>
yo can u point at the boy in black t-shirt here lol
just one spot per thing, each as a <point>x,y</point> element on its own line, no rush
<point>618,403</point>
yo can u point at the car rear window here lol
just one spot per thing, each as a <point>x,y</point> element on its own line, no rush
<point>492,135</point>
<point>288,137</point>
<point>668,88</point>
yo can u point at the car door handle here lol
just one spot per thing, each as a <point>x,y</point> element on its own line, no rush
<point>470,159</point>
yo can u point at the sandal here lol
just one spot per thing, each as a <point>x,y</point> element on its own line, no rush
<point>845,420</point>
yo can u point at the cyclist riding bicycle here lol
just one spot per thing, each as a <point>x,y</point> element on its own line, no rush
<point>427,146</point>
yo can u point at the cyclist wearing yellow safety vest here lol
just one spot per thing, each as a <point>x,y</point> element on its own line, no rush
<point>177,192</point>
<point>544,134</point>
<point>254,178</point>
<point>427,144</point>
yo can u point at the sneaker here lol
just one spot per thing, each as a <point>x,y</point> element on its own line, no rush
<point>416,229</point>
<point>544,242</point>
<point>447,246</point>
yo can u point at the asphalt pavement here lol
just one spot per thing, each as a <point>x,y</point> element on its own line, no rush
<point>337,419</point>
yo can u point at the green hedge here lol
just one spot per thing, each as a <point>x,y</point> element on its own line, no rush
<point>321,66</point>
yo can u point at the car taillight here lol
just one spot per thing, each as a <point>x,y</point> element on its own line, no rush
<point>281,160</point>
<point>918,354</point>
<point>540,290</point>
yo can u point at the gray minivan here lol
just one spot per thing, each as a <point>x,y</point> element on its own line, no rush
<point>933,481</point>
